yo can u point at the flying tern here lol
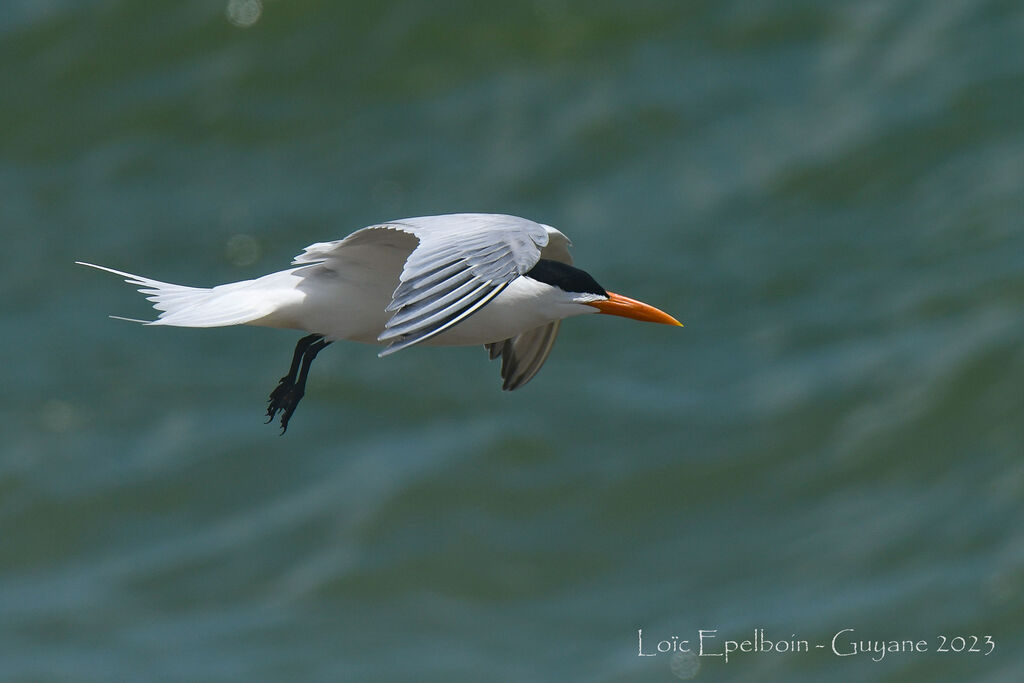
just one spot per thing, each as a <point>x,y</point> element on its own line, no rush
<point>452,280</point>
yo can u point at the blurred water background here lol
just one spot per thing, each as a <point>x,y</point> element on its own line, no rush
<point>829,195</point>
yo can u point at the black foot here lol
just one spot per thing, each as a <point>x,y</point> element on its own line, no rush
<point>286,402</point>
<point>292,387</point>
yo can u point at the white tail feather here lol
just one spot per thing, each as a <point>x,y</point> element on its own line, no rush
<point>232,304</point>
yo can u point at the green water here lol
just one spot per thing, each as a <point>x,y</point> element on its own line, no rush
<point>829,195</point>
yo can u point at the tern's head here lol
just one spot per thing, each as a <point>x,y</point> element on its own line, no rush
<point>579,287</point>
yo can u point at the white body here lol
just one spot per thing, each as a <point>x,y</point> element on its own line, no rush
<point>352,306</point>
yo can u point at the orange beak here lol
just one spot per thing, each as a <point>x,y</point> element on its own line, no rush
<point>616,304</point>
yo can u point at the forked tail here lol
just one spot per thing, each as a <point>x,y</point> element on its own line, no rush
<point>232,304</point>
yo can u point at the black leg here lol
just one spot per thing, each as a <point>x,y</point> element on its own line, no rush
<point>286,382</point>
<point>291,388</point>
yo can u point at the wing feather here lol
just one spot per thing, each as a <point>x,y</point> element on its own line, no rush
<point>523,355</point>
<point>443,323</point>
<point>427,311</point>
<point>430,291</point>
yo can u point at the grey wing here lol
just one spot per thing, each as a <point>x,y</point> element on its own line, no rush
<point>462,262</point>
<point>557,248</point>
<point>523,355</point>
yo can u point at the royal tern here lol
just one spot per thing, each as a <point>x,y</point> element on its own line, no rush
<point>452,280</point>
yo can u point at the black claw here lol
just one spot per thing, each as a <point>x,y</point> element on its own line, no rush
<point>292,387</point>
<point>277,396</point>
<point>288,403</point>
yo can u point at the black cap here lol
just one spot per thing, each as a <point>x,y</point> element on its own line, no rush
<point>565,277</point>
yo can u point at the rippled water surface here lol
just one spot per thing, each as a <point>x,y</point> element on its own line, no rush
<point>829,195</point>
